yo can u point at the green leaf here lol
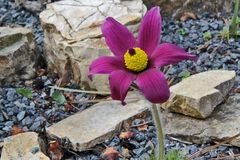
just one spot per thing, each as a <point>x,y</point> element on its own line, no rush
<point>184,74</point>
<point>207,35</point>
<point>225,33</point>
<point>238,33</point>
<point>234,22</point>
<point>237,20</point>
<point>152,157</point>
<point>58,97</point>
<point>171,155</point>
<point>182,31</point>
<point>25,92</point>
<point>174,155</point>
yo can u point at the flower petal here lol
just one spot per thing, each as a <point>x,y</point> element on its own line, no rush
<point>105,65</point>
<point>150,30</point>
<point>153,85</point>
<point>118,38</point>
<point>167,53</point>
<point>120,82</point>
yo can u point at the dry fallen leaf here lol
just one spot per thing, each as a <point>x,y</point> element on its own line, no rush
<point>203,47</point>
<point>55,151</point>
<point>141,115</point>
<point>16,130</point>
<point>126,153</point>
<point>70,97</point>
<point>225,20</point>
<point>187,15</point>
<point>227,53</point>
<point>68,107</point>
<point>170,81</point>
<point>237,90</point>
<point>41,72</point>
<point>212,147</point>
<point>53,145</point>
<point>126,135</point>
<point>143,126</point>
<point>28,82</point>
<point>110,154</point>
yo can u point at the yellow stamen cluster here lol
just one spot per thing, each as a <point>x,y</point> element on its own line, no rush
<point>136,59</point>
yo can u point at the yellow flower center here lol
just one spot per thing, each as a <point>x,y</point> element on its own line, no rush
<point>136,59</point>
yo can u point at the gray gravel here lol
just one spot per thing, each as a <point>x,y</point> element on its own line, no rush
<point>41,111</point>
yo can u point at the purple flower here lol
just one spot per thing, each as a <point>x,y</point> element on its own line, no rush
<point>137,60</point>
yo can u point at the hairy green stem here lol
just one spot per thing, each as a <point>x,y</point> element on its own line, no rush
<point>233,26</point>
<point>157,120</point>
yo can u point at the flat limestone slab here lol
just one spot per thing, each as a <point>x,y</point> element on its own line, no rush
<point>73,37</point>
<point>17,54</point>
<point>81,19</point>
<point>198,95</point>
<point>99,122</point>
<point>223,123</point>
<point>24,146</point>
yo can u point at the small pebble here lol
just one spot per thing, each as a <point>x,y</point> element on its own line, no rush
<point>21,115</point>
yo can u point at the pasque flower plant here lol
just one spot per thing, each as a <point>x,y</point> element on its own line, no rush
<point>137,60</point>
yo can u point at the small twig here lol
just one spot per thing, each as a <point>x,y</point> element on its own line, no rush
<point>129,100</point>
<point>227,157</point>
<point>92,101</point>
<point>79,91</point>
<point>230,152</point>
<point>137,125</point>
<point>74,153</point>
<point>75,107</point>
<point>176,139</point>
<point>210,148</point>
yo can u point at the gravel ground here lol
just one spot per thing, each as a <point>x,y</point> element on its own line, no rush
<point>41,111</point>
<point>16,15</point>
<point>214,53</point>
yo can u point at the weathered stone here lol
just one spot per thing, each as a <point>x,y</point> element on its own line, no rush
<point>73,37</point>
<point>36,156</point>
<point>17,50</point>
<point>198,95</point>
<point>24,146</point>
<point>33,6</point>
<point>98,123</point>
<point>223,123</point>
<point>175,8</point>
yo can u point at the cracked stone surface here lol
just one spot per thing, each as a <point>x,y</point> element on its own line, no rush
<point>175,8</point>
<point>199,94</point>
<point>72,33</point>
<point>223,123</point>
<point>98,123</point>
<point>24,146</point>
<point>17,52</point>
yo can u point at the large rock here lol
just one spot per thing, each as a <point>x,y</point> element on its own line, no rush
<point>198,95</point>
<point>73,38</point>
<point>222,124</point>
<point>24,146</point>
<point>17,52</point>
<point>175,8</point>
<point>98,123</point>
